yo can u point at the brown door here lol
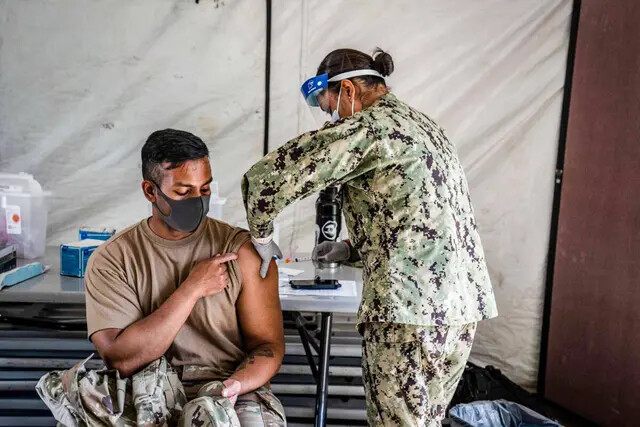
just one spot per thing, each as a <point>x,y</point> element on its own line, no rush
<point>593,357</point>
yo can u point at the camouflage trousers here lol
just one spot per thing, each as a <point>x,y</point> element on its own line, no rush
<point>410,373</point>
<point>154,396</point>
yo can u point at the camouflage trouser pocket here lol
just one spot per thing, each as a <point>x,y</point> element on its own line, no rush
<point>209,411</point>
<point>209,408</point>
<point>158,396</point>
<point>260,410</point>
<point>272,410</point>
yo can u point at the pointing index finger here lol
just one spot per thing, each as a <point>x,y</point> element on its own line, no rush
<point>222,258</point>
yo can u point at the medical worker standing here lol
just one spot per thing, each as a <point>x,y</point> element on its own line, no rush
<point>409,216</point>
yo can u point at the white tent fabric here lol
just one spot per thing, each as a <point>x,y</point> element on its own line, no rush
<point>82,84</point>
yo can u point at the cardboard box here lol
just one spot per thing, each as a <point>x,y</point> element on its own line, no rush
<point>95,233</point>
<point>75,256</point>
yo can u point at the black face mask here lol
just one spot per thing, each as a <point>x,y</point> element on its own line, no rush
<point>187,214</point>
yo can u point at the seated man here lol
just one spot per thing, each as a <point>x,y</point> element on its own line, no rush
<point>186,287</point>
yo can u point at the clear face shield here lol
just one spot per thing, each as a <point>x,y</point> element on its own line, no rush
<point>316,94</point>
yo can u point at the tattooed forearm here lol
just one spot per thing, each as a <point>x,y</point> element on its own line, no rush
<point>251,358</point>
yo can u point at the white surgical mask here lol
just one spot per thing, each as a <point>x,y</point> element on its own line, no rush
<point>335,116</point>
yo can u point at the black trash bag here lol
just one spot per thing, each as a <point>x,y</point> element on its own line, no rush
<point>490,384</point>
<point>498,413</point>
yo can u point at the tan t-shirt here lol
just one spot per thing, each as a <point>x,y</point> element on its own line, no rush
<point>133,273</point>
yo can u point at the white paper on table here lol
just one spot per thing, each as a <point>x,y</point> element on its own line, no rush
<point>348,289</point>
<point>289,271</point>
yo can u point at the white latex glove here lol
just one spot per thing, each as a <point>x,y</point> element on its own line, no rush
<point>267,249</point>
<point>331,252</point>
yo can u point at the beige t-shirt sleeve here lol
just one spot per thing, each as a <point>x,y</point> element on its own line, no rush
<point>237,237</point>
<point>111,301</point>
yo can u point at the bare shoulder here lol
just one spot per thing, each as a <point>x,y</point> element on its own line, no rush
<point>247,255</point>
<point>249,264</point>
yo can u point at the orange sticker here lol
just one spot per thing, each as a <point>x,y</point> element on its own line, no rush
<point>13,219</point>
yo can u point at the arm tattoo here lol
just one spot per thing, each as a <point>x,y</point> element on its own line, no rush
<point>251,358</point>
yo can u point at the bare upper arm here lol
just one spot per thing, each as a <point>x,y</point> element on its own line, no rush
<point>258,305</point>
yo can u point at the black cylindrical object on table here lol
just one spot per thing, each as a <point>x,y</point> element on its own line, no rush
<point>328,218</point>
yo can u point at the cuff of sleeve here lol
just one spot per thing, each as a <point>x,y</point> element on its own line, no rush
<point>264,233</point>
<point>354,256</point>
<point>262,240</point>
<point>349,249</point>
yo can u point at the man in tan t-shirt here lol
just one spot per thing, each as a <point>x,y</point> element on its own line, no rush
<point>187,287</point>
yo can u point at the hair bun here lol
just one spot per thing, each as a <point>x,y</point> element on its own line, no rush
<point>382,62</point>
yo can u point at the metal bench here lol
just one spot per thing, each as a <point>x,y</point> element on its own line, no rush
<point>27,354</point>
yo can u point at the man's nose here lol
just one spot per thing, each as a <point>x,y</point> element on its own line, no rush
<point>196,192</point>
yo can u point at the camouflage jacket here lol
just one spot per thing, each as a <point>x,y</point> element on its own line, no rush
<point>152,397</point>
<point>407,207</point>
<point>79,397</point>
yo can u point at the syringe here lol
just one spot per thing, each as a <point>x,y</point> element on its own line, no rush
<point>298,259</point>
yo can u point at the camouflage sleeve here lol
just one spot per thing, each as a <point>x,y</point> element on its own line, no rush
<point>336,153</point>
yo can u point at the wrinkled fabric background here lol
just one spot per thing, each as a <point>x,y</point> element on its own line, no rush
<point>82,84</point>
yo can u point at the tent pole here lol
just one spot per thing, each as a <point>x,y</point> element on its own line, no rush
<point>555,212</point>
<point>267,80</point>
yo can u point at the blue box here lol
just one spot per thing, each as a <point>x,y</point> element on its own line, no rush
<point>75,256</point>
<point>95,233</point>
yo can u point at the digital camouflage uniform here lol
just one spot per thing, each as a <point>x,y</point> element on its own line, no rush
<point>409,215</point>
<point>410,373</point>
<point>154,396</point>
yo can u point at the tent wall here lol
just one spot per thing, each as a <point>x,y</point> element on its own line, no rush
<point>82,84</point>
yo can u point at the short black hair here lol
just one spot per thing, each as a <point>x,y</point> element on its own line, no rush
<point>169,146</point>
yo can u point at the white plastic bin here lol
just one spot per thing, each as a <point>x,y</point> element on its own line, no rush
<point>215,207</point>
<point>216,203</point>
<point>23,214</point>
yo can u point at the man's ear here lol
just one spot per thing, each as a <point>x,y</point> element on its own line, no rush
<point>149,191</point>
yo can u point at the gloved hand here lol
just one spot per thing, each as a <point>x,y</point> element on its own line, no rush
<point>267,249</point>
<point>331,252</point>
